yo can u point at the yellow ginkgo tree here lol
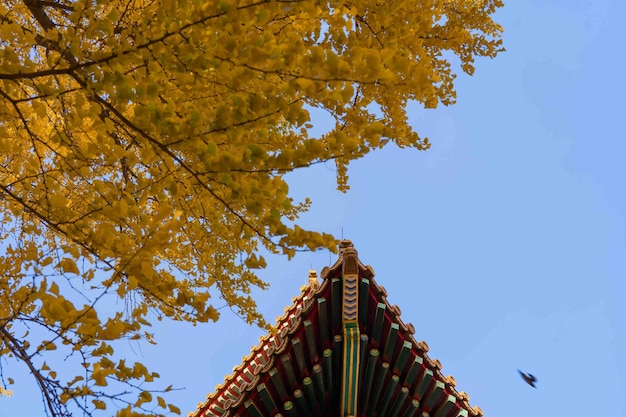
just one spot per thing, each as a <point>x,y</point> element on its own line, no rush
<point>143,148</point>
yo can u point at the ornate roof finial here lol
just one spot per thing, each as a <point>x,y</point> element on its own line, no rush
<point>346,245</point>
<point>313,282</point>
<point>347,253</point>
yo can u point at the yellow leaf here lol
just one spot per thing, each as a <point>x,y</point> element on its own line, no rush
<point>68,265</point>
<point>47,345</point>
<point>161,402</point>
<point>99,376</point>
<point>147,270</point>
<point>144,397</point>
<point>99,404</point>
<point>122,208</point>
<point>113,329</point>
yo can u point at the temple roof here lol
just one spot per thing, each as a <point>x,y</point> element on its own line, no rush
<point>339,350</point>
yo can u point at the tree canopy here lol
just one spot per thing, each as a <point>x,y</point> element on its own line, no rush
<point>143,148</point>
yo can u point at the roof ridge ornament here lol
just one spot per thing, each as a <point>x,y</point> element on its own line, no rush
<point>313,281</point>
<point>347,254</point>
<point>346,245</point>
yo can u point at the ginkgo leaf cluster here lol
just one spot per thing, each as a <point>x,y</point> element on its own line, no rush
<point>143,148</point>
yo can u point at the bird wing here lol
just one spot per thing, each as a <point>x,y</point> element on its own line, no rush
<point>529,378</point>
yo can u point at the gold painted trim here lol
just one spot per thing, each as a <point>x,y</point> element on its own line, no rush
<point>351,340</point>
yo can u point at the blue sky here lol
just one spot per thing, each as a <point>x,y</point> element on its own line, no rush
<point>504,244</point>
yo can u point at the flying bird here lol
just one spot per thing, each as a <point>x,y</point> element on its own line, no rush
<point>529,378</point>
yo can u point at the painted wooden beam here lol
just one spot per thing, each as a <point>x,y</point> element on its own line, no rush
<point>364,295</point>
<point>320,390</point>
<point>379,384</point>
<point>278,384</point>
<point>311,399</point>
<point>378,324</point>
<point>390,391</point>
<point>401,360</point>
<point>290,409</point>
<point>291,376</point>
<point>267,399</point>
<point>366,389</point>
<point>446,409</point>
<point>390,343</point>
<point>399,402</point>
<point>322,315</point>
<point>412,409</point>
<point>311,341</point>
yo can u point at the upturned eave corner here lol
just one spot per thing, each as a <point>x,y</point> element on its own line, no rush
<point>347,255</point>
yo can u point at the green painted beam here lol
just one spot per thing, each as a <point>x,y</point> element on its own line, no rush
<point>364,348</point>
<point>399,402</point>
<point>415,372</point>
<point>378,324</point>
<point>328,370</point>
<point>446,407</point>
<point>320,390</point>
<point>309,334</point>
<point>252,409</point>
<point>403,356</point>
<point>390,391</point>
<point>278,383</point>
<point>364,293</point>
<point>413,406</point>
<point>350,377</point>
<point>338,364</point>
<point>337,301</point>
<point>426,380</point>
<point>381,380</point>
<point>266,398</point>
<point>298,352</point>
<point>311,398</point>
<point>322,315</point>
<point>291,376</point>
<point>290,409</point>
<point>390,344</point>
<point>301,405</point>
<point>366,388</point>
<point>434,397</point>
